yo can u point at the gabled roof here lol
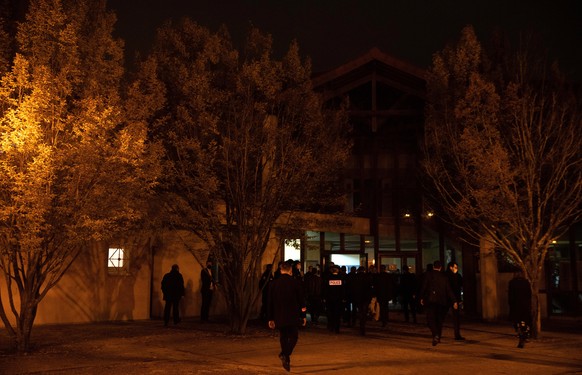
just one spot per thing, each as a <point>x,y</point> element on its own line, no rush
<point>373,64</point>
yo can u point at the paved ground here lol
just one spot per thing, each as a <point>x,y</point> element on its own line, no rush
<point>146,347</point>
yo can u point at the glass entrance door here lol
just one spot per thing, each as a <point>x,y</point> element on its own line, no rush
<point>394,263</point>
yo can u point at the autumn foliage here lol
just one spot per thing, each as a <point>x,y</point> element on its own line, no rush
<point>73,167</point>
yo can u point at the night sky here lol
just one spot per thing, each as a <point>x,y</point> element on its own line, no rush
<point>333,32</point>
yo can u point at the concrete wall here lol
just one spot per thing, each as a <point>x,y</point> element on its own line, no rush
<point>187,251</point>
<point>502,304</point>
<point>88,292</point>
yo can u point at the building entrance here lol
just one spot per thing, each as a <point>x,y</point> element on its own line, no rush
<point>348,259</point>
<point>394,263</point>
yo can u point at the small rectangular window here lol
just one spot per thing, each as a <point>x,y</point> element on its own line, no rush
<point>117,260</point>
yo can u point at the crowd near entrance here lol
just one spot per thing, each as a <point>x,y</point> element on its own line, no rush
<point>318,250</point>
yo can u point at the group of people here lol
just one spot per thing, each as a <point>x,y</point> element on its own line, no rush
<point>353,297</point>
<point>288,295</point>
<point>173,291</point>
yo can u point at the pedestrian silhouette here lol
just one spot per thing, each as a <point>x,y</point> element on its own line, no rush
<point>207,289</point>
<point>456,281</point>
<point>408,290</point>
<point>286,311</point>
<point>173,291</point>
<point>519,298</point>
<point>436,296</point>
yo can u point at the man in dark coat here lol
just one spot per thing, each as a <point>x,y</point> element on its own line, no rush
<point>385,285</point>
<point>519,298</point>
<point>436,296</point>
<point>350,313</point>
<point>361,292</point>
<point>286,311</point>
<point>456,281</point>
<point>408,290</point>
<point>312,286</point>
<point>173,291</point>
<point>207,290</point>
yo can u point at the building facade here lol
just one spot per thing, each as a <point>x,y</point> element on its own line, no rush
<point>397,225</point>
<point>386,99</point>
<point>386,221</point>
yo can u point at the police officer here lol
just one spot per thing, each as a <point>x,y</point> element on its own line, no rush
<point>334,298</point>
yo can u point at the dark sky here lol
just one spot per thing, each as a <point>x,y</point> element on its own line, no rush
<point>332,32</point>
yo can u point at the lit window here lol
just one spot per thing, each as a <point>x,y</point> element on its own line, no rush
<point>116,260</point>
<point>292,249</point>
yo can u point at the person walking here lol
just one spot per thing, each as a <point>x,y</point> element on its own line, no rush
<point>350,312</point>
<point>385,285</point>
<point>408,290</point>
<point>286,311</point>
<point>436,294</point>
<point>207,289</point>
<point>173,291</point>
<point>312,287</point>
<point>519,298</point>
<point>456,281</point>
<point>361,291</point>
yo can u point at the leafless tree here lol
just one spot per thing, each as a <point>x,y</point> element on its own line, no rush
<point>503,142</point>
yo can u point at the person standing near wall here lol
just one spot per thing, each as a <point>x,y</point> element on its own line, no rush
<point>207,290</point>
<point>286,311</point>
<point>173,291</point>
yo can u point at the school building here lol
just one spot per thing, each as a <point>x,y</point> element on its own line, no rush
<point>389,222</point>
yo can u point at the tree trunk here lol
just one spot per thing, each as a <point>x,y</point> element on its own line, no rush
<point>238,323</point>
<point>24,325</point>
<point>536,328</point>
<point>238,314</point>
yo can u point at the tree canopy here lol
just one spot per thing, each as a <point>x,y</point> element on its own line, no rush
<point>502,148</point>
<point>246,140</point>
<point>73,167</point>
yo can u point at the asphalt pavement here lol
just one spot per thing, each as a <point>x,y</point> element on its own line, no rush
<point>192,347</point>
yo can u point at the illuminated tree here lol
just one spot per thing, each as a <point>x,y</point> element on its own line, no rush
<point>247,140</point>
<point>503,140</point>
<point>73,166</point>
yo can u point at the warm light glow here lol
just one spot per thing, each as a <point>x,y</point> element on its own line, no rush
<point>407,215</point>
<point>116,257</point>
<point>292,249</point>
<point>430,214</point>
